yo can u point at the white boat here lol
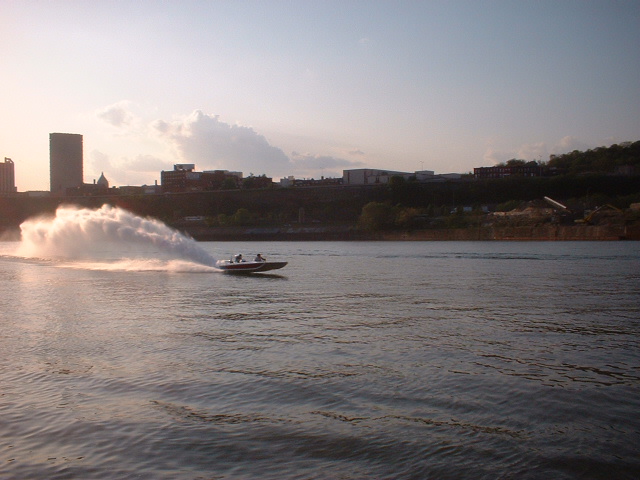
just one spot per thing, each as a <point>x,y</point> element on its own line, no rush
<point>248,267</point>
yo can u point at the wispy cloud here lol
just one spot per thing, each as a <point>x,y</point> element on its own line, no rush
<point>118,114</point>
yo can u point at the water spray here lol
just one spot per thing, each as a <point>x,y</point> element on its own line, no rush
<point>78,232</point>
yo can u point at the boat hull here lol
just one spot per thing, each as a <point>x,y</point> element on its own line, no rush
<point>249,267</point>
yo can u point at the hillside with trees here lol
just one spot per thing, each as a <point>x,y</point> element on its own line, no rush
<point>588,180</point>
<point>619,158</point>
<point>598,160</point>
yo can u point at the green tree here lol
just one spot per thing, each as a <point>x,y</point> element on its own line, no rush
<point>223,220</point>
<point>396,181</point>
<point>229,184</point>
<point>242,217</point>
<point>407,217</point>
<point>376,216</point>
<point>515,162</point>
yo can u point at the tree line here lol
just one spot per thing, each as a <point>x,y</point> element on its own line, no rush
<point>597,160</point>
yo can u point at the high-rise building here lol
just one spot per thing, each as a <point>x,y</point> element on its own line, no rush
<point>7,177</point>
<point>65,156</point>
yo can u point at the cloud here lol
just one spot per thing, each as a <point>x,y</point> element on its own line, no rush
<point>538,151</point>
<point>209,143</point>
<point>569,144</point>
<point>117,115</point>
<point>139,170</point>
<point>320,162</point>
<point>100,161</point>
<point>147,163</point>
<point>533,151</point>
<point>314,166</point>
<point>493,157</point>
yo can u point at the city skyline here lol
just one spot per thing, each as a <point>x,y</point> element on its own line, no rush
<point>310,89</point>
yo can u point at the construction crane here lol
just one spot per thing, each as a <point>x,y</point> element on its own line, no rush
<point>587,219</point>
<point>566,215</point>
<point>557,205</point>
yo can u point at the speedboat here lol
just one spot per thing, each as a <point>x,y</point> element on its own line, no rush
<point>248,267</point>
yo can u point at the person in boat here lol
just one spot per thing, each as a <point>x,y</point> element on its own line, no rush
<point>259,258</point>
<point>238,258</point>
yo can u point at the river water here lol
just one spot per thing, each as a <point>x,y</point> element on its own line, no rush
<point>382,360</point>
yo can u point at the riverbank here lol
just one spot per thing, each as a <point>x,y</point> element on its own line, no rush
<point>348,233</point>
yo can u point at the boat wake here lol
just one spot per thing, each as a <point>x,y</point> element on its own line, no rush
<point>140,265</point>
<point>110,238</point>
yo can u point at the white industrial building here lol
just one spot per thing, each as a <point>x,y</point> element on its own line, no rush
<point>372,176</point>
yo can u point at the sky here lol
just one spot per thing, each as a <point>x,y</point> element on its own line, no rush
<point>310,88</point>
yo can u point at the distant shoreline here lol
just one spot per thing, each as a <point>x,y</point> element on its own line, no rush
<point>522,233</point>
<point>347,233</point>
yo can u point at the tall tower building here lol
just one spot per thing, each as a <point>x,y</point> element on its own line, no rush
<point>65,156</point>
<point>7,177</point>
